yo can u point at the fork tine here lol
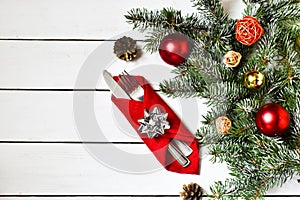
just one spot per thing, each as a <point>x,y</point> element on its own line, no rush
<point>128,82</point>
<point>124,85</point>
<point>133,80</point>
<point>131,86</point>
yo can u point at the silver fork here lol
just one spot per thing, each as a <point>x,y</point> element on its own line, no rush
<point>135,91</point>
<point>131,86</point>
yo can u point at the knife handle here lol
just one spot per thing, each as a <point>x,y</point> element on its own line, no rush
<point>183,147</point>
<point>182,159</point>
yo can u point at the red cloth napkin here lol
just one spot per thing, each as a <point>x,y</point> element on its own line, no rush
<point>134,110</point>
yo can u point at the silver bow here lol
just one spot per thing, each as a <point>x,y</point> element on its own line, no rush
<point>154,123</point>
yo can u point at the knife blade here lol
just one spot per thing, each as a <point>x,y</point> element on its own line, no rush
<point>114,87</point>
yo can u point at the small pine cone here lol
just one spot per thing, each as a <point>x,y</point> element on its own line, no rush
<point>191,191</point>
<point>125,48</point>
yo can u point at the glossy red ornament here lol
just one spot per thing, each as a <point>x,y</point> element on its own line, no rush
<point>175,48</point>
<point>272,120</point>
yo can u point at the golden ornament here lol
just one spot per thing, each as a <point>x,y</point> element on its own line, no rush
<point>223,125</point>
<point>298,144</point>
<point>125,48</point>
<point>298,41</point>
<point>254,79</point>
<point>191,191</point>
<point>232,58</point>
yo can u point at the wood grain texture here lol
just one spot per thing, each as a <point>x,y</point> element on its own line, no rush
<point>50,116</point>
<point>68,169</point>
<point>123,198</point>
<point>87,19</point>
<point>45,46</point>
<point>59,65</point>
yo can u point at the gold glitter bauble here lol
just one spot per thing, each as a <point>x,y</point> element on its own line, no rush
<point>254,79</point>
<point>298,41</point>
<point>223,125</point>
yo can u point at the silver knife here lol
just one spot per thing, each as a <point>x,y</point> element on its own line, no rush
<point>118,92</point>
<point>176,153</point>
<point>178,149</point>
<point>114,87</point>
<point>183,146</point>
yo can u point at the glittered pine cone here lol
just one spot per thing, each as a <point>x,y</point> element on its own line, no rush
<point>125,48</point>
<point>191,191</point>
<point>232,58</point>
<point>248,30</point>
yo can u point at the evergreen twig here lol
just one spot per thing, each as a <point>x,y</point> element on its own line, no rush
<point>257,163</point>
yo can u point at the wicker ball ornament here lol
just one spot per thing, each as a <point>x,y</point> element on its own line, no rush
<point>248,30</point>
<point>191,191</point>
<point>125,48</point>
<point>232,58</point>
<point>223,125</point>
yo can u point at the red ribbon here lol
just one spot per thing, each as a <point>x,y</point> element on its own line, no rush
<point>134,110</point>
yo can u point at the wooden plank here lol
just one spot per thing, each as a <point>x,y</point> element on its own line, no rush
<point>49,65</point>
<point>49,116</point>
<point>124,198</point>
<point>69,169</point>
<point>93,198</point>
<point>80,19</point>
<point>69,65</point>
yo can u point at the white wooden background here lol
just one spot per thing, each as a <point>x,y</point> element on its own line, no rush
<point>43,46</point>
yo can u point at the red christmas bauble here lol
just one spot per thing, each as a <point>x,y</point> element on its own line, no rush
<point>272,120</point>
<point>175,48</point>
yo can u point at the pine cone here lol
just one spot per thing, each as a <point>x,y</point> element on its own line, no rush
<point>191,191</point>
<point>125,48</point>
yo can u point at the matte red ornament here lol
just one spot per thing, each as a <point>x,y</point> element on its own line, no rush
<point>175,48</point>
<point>272,120</point>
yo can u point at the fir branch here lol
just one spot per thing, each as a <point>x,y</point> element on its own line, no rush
<point>213,11</point>
<point>209,67</point>
<point>153,39</point>
<point>256,162</point>
<point>296,118</point>
<point>167,18</point>
<point>292,26</point>
<point>286,12</point>
<point>180,87</point>
<point>223,93</point>
<point>277,10</point>
<point>273,165</point>
<point>251,9</point>
<point>247,107</point>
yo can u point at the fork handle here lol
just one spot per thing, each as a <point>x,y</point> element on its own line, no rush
<point>182,159</point>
